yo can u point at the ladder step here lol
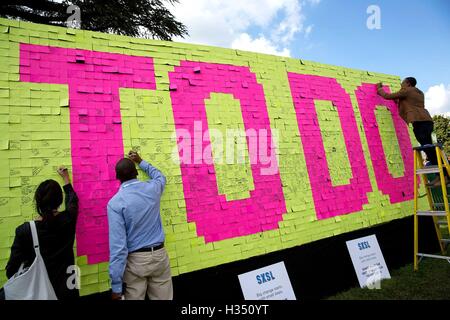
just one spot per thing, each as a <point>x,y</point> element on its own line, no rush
<point>427,170</point>
<point>426,255</point>
<point>442,222</point>
<point>439,187</point>
<point>428,146</point>
<point>432,213</point>
<point>445,240</point>
<point>440,205</point>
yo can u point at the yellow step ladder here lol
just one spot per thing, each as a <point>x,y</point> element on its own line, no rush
<point>438,200</point>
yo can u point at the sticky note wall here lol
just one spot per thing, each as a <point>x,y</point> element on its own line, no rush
<point>331,156</point>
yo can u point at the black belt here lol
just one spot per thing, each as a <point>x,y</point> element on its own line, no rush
<point>148,249</point>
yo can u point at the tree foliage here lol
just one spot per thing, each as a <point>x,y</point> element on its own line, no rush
<point>136,18</point>
<point>442,131</point>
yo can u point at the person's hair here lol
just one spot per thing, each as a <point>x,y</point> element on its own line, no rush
<point>125,170</point>
<point>412,81</point>
<point>48,197</point>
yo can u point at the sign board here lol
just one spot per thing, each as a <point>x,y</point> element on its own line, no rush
<point>368,261</point>
<point>268,283</point>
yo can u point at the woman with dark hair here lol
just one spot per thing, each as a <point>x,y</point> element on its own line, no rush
<point>56,233</point>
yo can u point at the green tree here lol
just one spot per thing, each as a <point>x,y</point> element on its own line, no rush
<point>136,18</point>
<point>442,131</point>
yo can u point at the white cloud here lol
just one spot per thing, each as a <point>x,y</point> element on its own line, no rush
<point>437,99</point>
<point>227,23</point>
<point>261,44</point>
<point>308,30</point>
<point>291,24</point>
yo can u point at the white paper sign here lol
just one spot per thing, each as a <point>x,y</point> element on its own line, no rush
<point>368,261</point>
<point>268,283</point>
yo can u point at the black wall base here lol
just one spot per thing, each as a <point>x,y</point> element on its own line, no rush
<point>316,270</point>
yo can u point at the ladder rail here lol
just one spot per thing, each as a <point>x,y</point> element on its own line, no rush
<point>430,203</point>
<point>443,163</point>
<point>437,209</point>
<point>439,235</point>
<point>416,218</point>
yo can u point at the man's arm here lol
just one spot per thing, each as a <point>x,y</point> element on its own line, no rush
<point>153,173</point>
<point>391,96</point>
<point>118,250</point>
<point>150,170</point>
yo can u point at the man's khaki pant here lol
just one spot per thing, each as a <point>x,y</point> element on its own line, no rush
<point>148,272</point>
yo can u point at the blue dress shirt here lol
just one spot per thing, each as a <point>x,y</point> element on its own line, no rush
<point>134,220</point>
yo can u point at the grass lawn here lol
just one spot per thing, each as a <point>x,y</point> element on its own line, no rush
<point>432,281</point>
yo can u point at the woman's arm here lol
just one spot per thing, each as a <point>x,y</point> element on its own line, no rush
<point>71,200</point>
<point>18,256</point>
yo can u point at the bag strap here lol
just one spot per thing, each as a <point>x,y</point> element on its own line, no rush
<point>35,237</point>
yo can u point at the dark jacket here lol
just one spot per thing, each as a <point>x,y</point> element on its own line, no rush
<point>56,239</point>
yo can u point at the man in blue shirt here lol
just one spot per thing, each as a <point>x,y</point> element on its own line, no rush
<point>139,263</point>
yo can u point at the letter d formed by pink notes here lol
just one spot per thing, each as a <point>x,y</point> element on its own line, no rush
<point>402,188</point>
<point>329,200</point>
<point>214,216</point>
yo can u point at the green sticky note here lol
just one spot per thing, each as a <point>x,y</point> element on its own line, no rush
<point>4,182</point>
<point>64,102</point>
<point>4,144</point>
<point>15,181</point>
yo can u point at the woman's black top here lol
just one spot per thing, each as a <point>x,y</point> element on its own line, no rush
<point>56,239</point>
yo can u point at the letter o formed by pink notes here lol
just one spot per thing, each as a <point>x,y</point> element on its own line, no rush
<point>215,217</point>
<point>94,79</point>
<point>399,189</point>
<point>329,200</point>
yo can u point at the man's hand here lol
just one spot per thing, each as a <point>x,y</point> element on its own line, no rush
<point>380,90</point>
<point>64,173</point>
<point>134,156</point>
<point>116,296</point>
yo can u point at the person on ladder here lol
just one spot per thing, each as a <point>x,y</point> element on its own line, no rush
<point>411,104</point>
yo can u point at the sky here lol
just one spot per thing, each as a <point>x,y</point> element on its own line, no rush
<point>411,38</point>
